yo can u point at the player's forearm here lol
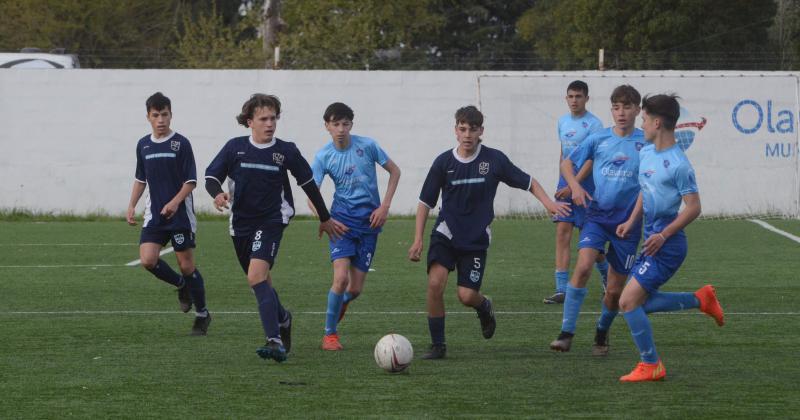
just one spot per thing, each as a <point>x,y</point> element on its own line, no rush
<point>585,170</point>
<point>567,173</point>
<point>636,214</point>
<point>538,191</point>
<point>213,187</point>
<point>184,192</point>
<point>136,193</point>
<point>391,187</point>
<point>313,194</point>
<point>691,211</point>
<point>422,218</point>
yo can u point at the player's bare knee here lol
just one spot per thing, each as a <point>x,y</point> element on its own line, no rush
<point>626,304</point>
<point>467,296</point>
<point>149,263</point>
<point>611,300</point>
<point>187,267</point>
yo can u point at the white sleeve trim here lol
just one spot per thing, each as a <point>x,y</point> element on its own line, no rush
<point>425,204</point>
<point>215,179</point>
<point>190,181</point>
<point>139,181</point>
<point>310,179</point>
<point>530,183</point>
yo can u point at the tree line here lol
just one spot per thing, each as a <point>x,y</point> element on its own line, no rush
<point>412,34</point>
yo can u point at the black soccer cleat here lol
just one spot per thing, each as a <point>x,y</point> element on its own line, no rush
<point>201,323</point>
<point>286,332</point>
<point>274,350</point>
<point>563,342</point>
<point>557,298</point>
<point>601,345</point>
<point>437,351</point>
<point>488,322</point>
<point>185,298</point>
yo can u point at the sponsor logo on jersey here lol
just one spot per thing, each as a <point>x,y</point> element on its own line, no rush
<point>571,133</point>
<point>239,153</point>
<point>483,168</point>
<point>179,239</point>
<point>277,158</point>
<point>620,159</point>
<point>648,173</point>
<point>175,145</point>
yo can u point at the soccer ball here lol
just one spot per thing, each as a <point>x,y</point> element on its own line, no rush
<point>393,353</point>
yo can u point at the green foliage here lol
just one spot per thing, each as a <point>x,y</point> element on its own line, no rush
<point>104,33</point>
<point>354,34</point>
<point>649,33</point>
<point>206,42</point>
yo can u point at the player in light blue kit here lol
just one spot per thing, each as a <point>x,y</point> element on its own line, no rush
<point>666,179</point>
<point>573,128</point>
<point>349,160</point>
<point>165,165</point>
<point>615,155</point>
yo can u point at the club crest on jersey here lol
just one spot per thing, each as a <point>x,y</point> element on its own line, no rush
<point>666,163</point>
<point>277,158</point>
<point>474,276</point>
<point>360,152</point>
<point>175,145</point>
<point>256,246</point>
<point>483,168</point>
<point>639,146</point>
<point>179,239</point>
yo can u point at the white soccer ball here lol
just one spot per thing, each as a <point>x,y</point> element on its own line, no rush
<point>393,353</point>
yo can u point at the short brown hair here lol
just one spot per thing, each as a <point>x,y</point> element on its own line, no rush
<point>665,107</point>
<point>470,115</point>
<point>258,100</point>
<point>626,94</point>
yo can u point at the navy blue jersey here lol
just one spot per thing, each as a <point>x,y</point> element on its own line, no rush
<point>165,165</point>
<point>468,187</point>
<point>258,183</point>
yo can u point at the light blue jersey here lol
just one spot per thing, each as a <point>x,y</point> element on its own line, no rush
<point>615,171</point>
<point>571,132</point>
<point>353,174</point>
<point>665,176</point>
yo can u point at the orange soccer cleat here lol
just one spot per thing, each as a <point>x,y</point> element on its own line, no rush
<point>646,372</point>
<point>709,303</point>
<point>331,342</point>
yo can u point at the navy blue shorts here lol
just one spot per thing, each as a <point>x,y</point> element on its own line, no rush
<point>621,252</point>
<point>470,264</point>
<point>359,246</point>
<point>653,271</point>
<point>262,244</point>
<point>181,239</point>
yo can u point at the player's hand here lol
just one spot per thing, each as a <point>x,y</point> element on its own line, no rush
<point>169,209</point>
<point>378,217</point>
<point>559,208</point>
<point>580,197</point>
<point>334,228</point>
<point>564,193</point>
<point>624,229</point>
<point>415,252</point>
<point>221,201</point>
<point>130,217</point>
<point>653,244</point>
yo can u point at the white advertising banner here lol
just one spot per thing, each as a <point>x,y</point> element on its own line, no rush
<point>740,132</point>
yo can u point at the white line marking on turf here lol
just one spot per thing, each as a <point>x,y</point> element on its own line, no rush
<point>137,262</point>
<point>95,244</point>
<point>59,266</point>
<point>141,312</point>
<point>771,228</point>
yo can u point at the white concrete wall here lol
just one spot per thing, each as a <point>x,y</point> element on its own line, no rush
<point>68,136</point>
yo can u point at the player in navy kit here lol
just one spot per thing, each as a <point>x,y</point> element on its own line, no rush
<point>260,198</point>
<point>667,179</point>
<point>165,165</point>
<point>349,160</point>
<point>573,128</point>
<point>467,177</point>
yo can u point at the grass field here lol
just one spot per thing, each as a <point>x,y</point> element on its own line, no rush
<point>84,336</point>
